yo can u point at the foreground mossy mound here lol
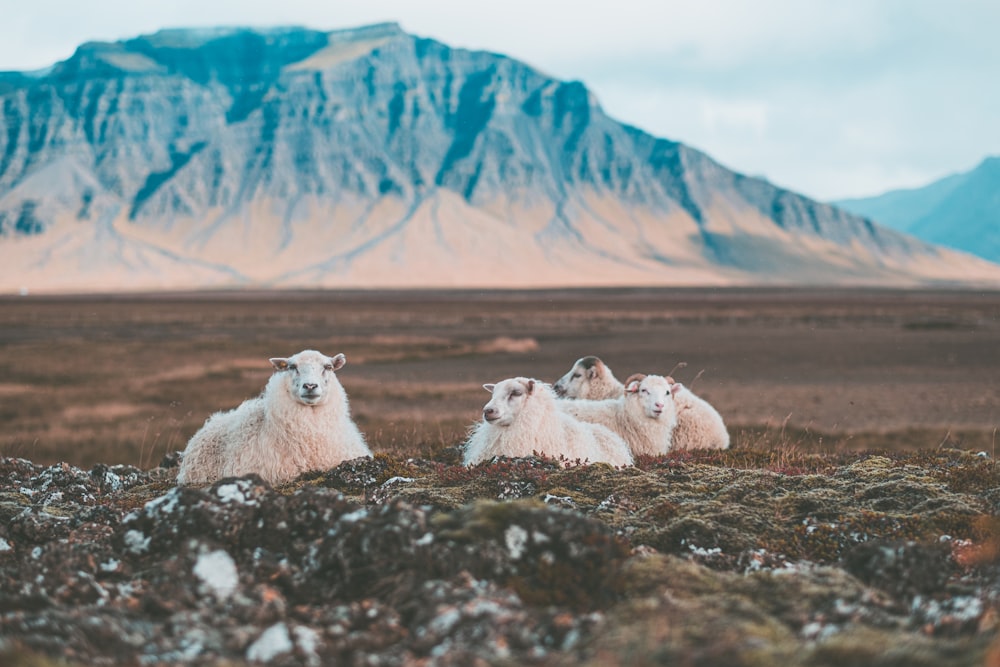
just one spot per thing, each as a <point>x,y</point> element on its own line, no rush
<point>740,557</point>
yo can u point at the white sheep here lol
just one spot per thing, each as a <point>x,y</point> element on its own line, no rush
<point>644,416</point>
<point>589,378</point>
<point>699,425</point>
<point>522,418</point>
<point>300,422</point>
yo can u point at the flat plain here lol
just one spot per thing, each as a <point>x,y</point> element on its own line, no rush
<point>846,526</point>
<point>129,378</point>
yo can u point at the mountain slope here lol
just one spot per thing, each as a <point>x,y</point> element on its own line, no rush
<point>961,211</point>
<point>371,157</point>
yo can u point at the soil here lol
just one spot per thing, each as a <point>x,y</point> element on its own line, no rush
<point>739,557</point>
<point>127,379</point>
<point>856,519</point>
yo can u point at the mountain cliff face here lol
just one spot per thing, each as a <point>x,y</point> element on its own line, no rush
<point>961,211</point>
<point>374,158</point>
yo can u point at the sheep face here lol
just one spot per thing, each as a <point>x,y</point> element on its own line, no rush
<point>576,383</point>
<point>653,392</point>
<point>508,400</point>
<point>310,375</point>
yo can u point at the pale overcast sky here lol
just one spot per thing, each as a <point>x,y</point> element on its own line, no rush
<point>831,98</point>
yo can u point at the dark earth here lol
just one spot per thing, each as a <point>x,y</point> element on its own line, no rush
<point>710,558</point>
<point>854,522</point>
<point>129,378</point>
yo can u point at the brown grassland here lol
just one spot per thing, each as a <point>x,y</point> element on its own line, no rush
<point>846,526</point>
<point>129,378</point>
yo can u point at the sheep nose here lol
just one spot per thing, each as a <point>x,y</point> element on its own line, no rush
<point>489,412</point>
<point>309,386</point>
<point>659,406</point>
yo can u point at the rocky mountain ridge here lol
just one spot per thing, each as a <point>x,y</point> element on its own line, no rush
<point>374,158</point>
<point>960,211</point>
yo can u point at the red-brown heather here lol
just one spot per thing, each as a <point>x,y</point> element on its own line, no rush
<point>127,379</point>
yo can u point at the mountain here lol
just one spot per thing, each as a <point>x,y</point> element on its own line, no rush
<point>374,158</point>
<point>961,211</point>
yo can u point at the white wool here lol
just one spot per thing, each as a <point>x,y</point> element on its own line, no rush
<point>644,416</point>
<point>300,422</point>
<point>522,418</point>
<point>589,379</point>
<point>699,425</point>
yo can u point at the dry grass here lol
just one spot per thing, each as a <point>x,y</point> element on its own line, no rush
<point>128,379</point>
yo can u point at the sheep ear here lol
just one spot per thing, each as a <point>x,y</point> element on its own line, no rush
<point>674,388</point>
<point>632,387</point>
<point>531,386</point>
<point>279,363</point>
<point>489,387</point>
<point>339,361</point>
<point>592,372</point>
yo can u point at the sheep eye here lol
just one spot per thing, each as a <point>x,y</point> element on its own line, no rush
<point>516,392</point>
<point>328,367</point>
<point>576,375</point>
<point>293,367</point>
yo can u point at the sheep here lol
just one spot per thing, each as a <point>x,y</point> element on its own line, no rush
<point>699,425</point>
<point>591,379</point>
<point>644,416</point>
<point>522,418</point>
<point>300,422</point>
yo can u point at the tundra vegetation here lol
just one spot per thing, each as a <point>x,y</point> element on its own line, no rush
<point>855,518</point>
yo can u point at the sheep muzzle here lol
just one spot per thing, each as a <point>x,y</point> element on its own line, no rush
<point>310,394</point>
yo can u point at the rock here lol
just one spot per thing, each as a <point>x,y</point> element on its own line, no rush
<point>709,558</point>
<point>905,569</point>
<point>292,128</point>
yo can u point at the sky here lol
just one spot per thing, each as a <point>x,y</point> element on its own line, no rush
<point>830,98</point>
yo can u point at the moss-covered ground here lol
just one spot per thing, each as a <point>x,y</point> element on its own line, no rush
<point>738,557</point>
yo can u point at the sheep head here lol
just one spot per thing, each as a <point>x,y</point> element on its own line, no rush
<point>576,383</point>
<point>653,392</point>
<point>310,375</point>
<point>683,398</point>
<point>675,387</point>
<point>509,398</point>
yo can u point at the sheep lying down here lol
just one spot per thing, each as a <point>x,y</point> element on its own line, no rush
<point>522,418</point>
<point>699,424</point>
<point>589,378</point>
<point>300,422</point>
<point>644,415</point>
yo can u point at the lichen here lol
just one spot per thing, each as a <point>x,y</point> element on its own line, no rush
<point>737,557</point>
